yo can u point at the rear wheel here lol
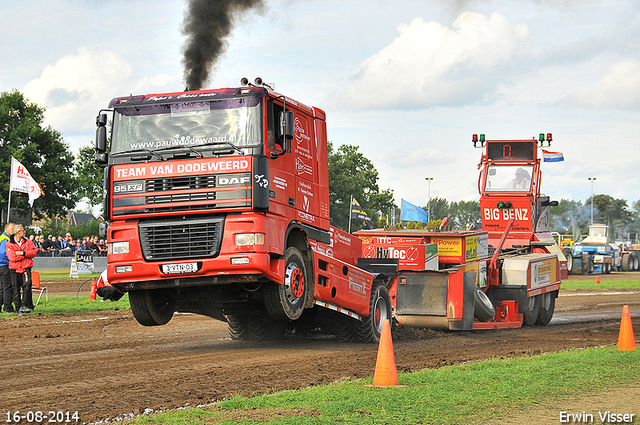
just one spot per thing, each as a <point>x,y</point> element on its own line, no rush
<point>547,306</point>
<point>151,307</point>
<point>626,262</point>
<point>263,328</point>
<point>238,327</point>
<point>530,311</point>
<point>343,327</point>
<point>287,301</point>
<point>370,328</point>
<point>636,262</point>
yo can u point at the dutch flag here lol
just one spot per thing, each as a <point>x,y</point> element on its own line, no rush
<point>552,156</point>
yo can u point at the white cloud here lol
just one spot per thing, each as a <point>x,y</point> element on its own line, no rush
<point>74,89</point>
<point>431,64</point>
<point>77,86</point>
<point>620,88</point>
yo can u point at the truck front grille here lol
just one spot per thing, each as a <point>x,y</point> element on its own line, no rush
<point>181,239</point>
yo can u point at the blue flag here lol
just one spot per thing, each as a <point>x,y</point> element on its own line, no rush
<point>410,212</point>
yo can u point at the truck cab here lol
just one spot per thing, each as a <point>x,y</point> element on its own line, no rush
<point>218,203</point>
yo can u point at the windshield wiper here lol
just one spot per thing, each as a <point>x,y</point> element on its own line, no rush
<point>231,145</point>
<point>138,150</point>
<point>183,146</point>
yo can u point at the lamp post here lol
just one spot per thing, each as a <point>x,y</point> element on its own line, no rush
<point>591,179</point>
<point>428,179</point>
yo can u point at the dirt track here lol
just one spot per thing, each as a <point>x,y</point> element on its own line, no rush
<point>105,364</point>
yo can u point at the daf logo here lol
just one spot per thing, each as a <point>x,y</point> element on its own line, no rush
<point>226,181</point>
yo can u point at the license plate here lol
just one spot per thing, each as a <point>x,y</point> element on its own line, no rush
<point>180,268</point>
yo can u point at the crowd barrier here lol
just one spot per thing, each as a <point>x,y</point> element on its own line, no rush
<point>64,263</point>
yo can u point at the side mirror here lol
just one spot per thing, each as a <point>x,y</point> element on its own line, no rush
<point>287,126</point>
<point>101,139</point>
<point>102,230</point>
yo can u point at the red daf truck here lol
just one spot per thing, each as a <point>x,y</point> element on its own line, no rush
<point>218,203</point>
<point>506,275</point>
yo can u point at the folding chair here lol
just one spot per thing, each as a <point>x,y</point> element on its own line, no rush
<point>35,286</point>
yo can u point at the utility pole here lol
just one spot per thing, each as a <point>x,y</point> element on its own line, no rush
<point>428,179</point>
<point>591,179</point>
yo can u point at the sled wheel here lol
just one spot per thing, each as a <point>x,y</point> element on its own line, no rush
<point>287,301</point>
<point>547,306</point>
<point>530,311</point>
<point>151,307</point>
<point>483,309</point>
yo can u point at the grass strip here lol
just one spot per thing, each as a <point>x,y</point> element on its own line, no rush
<point>605,283</point>
<point>463,394</point>
<point>60,304</point>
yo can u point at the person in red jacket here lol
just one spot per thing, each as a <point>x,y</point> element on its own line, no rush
<point>21,251</point>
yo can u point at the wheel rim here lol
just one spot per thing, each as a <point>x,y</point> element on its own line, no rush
<point>294,283</point>
<point>546,301</point>
<point>531,304</point>
<point>380,313</point>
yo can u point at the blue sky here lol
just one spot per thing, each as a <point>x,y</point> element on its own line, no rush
<point>409,82</point>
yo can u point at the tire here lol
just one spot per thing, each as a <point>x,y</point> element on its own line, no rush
<point>626,262</point>
<point>262,328</point>
<point>607,268</point>
<point>370,328</point>
<point>636,262</point>
<point>151,307</point>
<point>287,301</point>
<point>567,253</point>
<point>547,306</point>
<point>530,311</point>
<point>484,310</point>
<point>238,327</point>
<point>343,327</point>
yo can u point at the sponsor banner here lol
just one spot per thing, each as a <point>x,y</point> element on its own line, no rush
<point>543,273</point>
<point>410,257</point>
<point>198,166</point>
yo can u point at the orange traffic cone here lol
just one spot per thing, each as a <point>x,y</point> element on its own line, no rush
<point>386,374</point>
<point>626,341</point>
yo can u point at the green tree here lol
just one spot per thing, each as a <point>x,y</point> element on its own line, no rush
<point>612,212</point>
<point>89,176</point>
<point>352,174</point>
<point>439,208</point>
<point>41,150</point>
<point>464,213</point>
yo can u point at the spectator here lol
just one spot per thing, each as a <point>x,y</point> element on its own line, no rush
<point>39,244</point>
<point>65,249</point>
<point>102,247</point>
<point>47,244</point>
<point>78,246</point>
<point>21,251</point>
<point>6,289</point>
<point>93,246</point>
<point>105,290</point>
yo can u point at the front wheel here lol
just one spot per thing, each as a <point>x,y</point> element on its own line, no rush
<point>287,301</point>
<point>151,307</point>
<point>370,328</point>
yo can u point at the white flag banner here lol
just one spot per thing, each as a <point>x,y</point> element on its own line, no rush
<point>21,181</point>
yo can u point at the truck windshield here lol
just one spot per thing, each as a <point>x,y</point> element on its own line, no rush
<point>508,178</point>
<point>160,126</point>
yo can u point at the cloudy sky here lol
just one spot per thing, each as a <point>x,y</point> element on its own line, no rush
<point>408,81</point>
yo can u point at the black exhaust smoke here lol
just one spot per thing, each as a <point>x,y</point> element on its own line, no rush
<point>207,23</point>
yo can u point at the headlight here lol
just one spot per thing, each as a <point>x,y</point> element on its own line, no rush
<point>118,248</point>
<point>249,239</point>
